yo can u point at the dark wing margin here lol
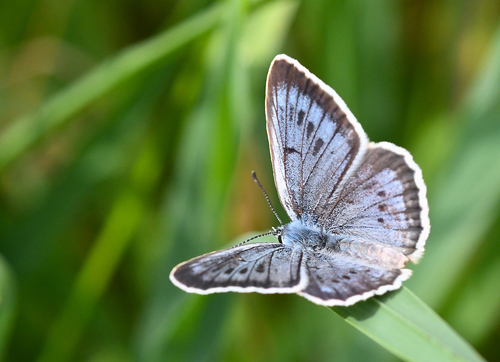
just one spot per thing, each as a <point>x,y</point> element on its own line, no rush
<point>258,267</point>
<point>384,202</point>
<point>314,139</point>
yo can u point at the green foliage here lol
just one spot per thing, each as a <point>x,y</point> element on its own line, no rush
<point>7,305</point>
<point>404,325</point>
<point>127,135</point>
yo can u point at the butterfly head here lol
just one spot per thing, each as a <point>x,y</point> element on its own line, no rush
<point>278,232</point>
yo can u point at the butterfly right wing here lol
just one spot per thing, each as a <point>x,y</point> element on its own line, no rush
<point>314,139</point>
<point>328,174</point>
<point>383,203</point>
<point>258,267</point>
<point>339,279</point>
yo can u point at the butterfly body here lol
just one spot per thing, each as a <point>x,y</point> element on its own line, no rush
<point>358,209</point>
<point>297,234</point>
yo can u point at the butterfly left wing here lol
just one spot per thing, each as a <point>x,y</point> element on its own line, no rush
<point>258,267</point>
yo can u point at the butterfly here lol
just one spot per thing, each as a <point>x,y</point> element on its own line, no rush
<point>358,209</point>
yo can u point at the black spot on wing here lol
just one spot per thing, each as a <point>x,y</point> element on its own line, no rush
<point>317,146</point>
<point>300,117</point>
<point>310,128</point>
<point>289,150</point>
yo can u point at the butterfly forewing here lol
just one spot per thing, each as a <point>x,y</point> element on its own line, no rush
<point>261,267</point>
<point>314,138</point>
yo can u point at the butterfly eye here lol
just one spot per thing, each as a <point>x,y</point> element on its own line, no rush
<point>279,239</point>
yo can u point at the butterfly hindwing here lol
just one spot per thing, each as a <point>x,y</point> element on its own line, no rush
<point>383,202</point>
<point>336,279</point>
<point>314,138</point>
<point>257,267</point>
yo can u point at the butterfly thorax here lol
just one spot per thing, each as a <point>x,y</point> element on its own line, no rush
<point>302,235</point>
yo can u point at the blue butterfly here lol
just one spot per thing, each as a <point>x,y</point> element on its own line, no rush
<point>358,209</point>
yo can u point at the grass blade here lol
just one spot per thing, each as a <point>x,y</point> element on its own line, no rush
<point>95,276</point>
<point>7,300</point>
<point>406,326</point>
<point>25,131</point>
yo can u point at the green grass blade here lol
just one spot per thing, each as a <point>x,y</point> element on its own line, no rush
<point>475,318</point>
<point>484,94</point>
<point>119,229</point>
<point>7,304</point>
<point>404,325</point>
<point>25,131</point>
<point>204,168</point>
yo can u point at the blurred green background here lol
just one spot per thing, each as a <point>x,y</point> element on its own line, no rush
<point>128,131</point>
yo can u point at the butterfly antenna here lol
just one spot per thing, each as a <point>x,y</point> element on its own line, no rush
<point>254,176</point>
<point>255,237</point>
